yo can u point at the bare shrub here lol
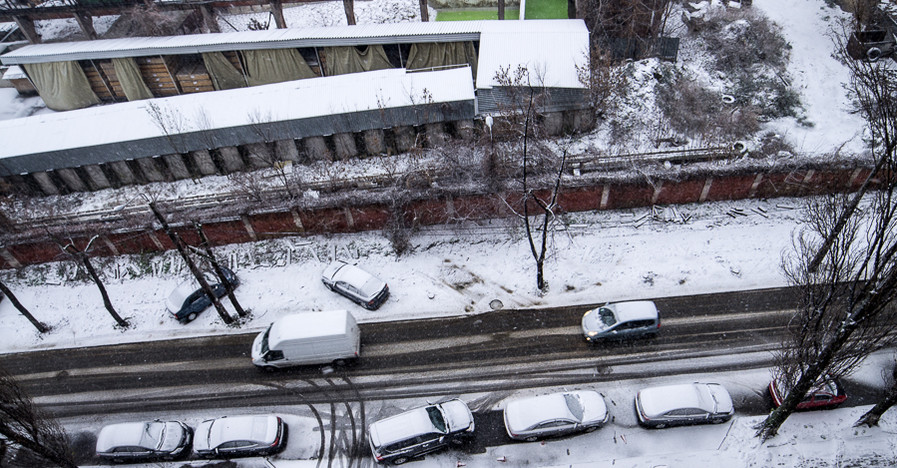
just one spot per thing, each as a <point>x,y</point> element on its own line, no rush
<point>751,56</point>
<point>698,112</point>
<point>602,78</point>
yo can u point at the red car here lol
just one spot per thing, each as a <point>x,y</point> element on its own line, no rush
<point>827,394</point>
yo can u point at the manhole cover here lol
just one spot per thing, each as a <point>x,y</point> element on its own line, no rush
<point>495,304</point>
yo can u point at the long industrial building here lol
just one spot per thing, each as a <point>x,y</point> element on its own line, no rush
<point>160,108</point>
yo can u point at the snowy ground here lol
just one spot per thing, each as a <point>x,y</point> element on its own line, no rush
<point>604,256</point>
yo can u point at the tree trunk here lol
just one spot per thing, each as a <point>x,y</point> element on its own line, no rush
<point>85,260</point>
<point>18,305</point>
<point>571,9</point>
<point>501,9</point>
<point>424,11</point>
<point>176,240</point>
<point>349,6</point>
<point>770,426</point>
<point>214,261</point>
<point>872,417</point>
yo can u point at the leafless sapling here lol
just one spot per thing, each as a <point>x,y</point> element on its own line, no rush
<point>872,417</point>
<point>541,171</point>
<point>82,256</point>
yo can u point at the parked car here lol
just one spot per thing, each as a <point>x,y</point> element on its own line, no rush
<point>621,320</point>
<point>826,394</point>
<point>562,413</point>
<point>144,441</point>
<point>695,403</point>
<point>358,285</point>
<point>398,439</point>
<point>240,436</point>
<point>189,300</point>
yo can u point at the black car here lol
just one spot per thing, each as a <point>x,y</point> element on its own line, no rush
<point>240,436</point>
<point>188,300</point>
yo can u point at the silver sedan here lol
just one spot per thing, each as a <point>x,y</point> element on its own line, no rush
<point>555,414</point>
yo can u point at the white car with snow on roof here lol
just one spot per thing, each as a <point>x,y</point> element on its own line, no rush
<point>240,436</point>
<point>673,405</point>
<point>533,418</point>
<point>358,285</point>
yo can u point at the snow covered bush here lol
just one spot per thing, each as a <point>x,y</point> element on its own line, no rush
<point>750,56</point>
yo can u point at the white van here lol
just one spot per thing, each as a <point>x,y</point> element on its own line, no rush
<point>308,338</point>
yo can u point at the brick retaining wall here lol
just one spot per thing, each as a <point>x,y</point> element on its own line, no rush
<point>617,195</point>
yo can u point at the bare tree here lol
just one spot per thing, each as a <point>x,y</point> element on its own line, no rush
<point>82,256</point>
<point>538,193</point>
<point>41,327</point>
<point>210,256</point>
<point>846,260</point>
<point>200,278</point>
<point>27,429</point>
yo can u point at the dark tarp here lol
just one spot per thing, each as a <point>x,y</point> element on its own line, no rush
<point>62,85</point>
<point>131,80</point>
<point>275,66</point>
<point>343,60</point>
<point>440,54</point>
<point>222,72</point>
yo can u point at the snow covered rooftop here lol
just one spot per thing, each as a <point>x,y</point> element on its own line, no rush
<point>553,47</point>
<point>280,102</point>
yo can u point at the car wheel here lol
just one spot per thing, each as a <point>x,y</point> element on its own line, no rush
<point>400,460</point>
<point>591,429</point>
<point>717,421</point>
<point>457,441</point>
<point>339,363</point>
<point>531,439</point>
<point>191,317</point>
<point>660,426</point>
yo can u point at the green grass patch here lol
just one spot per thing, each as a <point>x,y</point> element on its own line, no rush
<point>546,9</point>
<point>473,14</point>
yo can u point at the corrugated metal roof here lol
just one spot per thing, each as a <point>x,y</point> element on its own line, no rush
<point>442,31</point>
<point>519,40</point>
<point>550,49</point>
<point>329,98</point>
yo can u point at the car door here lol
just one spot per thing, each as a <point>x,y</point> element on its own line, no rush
<point>427,443</point>
<point>686,415</point>
<point>236,447</point>
<point>555,427</point>
<point>131,452</point>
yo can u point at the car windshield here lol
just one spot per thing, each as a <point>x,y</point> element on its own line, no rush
<point>607,316</point>
<point>574,405</point>
<point>437,418</point>
<point>265,340</point>
<point>152,435</point>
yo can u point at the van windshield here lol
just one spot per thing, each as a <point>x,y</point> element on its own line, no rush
<point>265,340</point>
<point>436,418</point>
